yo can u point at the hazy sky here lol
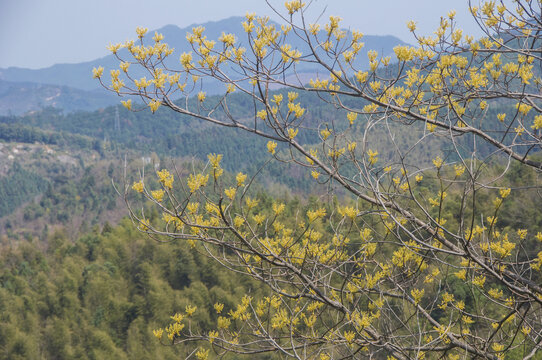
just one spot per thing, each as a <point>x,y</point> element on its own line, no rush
<point>40,33</point>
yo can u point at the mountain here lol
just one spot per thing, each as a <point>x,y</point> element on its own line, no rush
<point>79,75</point>
<point>18,98</point>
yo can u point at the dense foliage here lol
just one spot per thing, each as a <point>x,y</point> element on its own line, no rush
<point>100,296</point>
<point>17,187</point>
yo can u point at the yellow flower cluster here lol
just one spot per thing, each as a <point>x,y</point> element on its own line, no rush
<point>294,6</point>
<point>138,186</point>
<point>347,211</point>
<point>97,72</point>
<point>271,147</point>
<point>165,178</point>
<point>195,182</point>
<point>158,195</point>
<point>154,105</point>
<point>537,124</point>
<point>373,156</point>
<point>417,295</point>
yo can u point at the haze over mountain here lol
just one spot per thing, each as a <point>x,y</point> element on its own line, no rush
<point>18,98</point>
<point>79,75</point>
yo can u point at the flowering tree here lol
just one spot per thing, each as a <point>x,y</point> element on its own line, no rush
<point>418,258</point>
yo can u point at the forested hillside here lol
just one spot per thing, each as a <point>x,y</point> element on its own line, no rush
<point>175,135</point>
<point>101,295</point>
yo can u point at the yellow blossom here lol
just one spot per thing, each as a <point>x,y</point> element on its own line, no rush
<point>138,186</point>
<point>495,293</point>
<point>214,160</point>
<point>158,195</point>
<point>537,124</point>
<point>293,6</point>
<point>271,146</point>
<point>218,307</point>
<point>277,99</point>
<point>238,221</point>
<point>523,108</point>
<point>190,310</point>
<point>479,281</point>
<point>230,88</point>
<point>240,178</point>
<point>278,208</point>
<point>262,114</point>
<point>186,59</point>
<point>325,133</point>
<point>258,219</point>
<point>292,95</point>
<point>165,178</point>
<point>349,336</point>
<point>459,170</point>
<point>177,317</point>
<point>347,211</point>
<point>431,127</point>
<point>437,162</point>
<point>223,322</point>
<point>197,181</point>
<point>144,225</point>
<point>202,354</point>
<point>127,104</point>
<point>417,295</point>
<point>370,108</point>
<point>158,333</point>
<point>497,347</point>
<point>361,76</point>
<point>141,31</point>
<point>461,274</point>
<point>251,203</point>
<point>351,116</point>
<point>372,156</point>
<point>97,72</point>
<point>154,105</point>
<point>212,336</point>
<point>230,192</point>
<point>292,133</point>
<point>227,39</point>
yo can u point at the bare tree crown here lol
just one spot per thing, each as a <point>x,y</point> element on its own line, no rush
<point>417,260</point>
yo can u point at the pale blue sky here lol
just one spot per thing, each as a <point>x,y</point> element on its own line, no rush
<point>40,33</point>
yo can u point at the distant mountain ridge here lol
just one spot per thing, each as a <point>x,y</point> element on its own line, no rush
<point>79,75</point>
<point>17,98</point>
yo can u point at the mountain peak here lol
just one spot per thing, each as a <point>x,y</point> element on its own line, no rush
<point>79,75</point>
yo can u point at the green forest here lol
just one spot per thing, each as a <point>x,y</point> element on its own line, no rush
<point>95,289</point>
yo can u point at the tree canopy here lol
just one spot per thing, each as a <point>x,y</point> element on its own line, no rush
<point>416,256</point>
